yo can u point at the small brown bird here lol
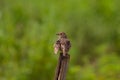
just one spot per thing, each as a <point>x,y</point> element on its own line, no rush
<point>62,44</point>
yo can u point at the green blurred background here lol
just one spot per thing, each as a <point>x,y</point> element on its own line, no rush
<point>27,35</point>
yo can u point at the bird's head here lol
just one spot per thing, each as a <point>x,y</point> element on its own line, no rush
<point>61,35</point>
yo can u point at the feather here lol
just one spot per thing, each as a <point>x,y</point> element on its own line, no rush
<point>56,47</point>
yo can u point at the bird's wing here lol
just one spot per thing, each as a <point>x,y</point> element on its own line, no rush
<point>56,47</point>
<point>68,43</point>
<point>65,45</point>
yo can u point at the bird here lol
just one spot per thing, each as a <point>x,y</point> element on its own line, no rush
<point>62,44</point>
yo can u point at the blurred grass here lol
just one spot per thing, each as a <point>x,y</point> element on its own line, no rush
<point>27,34</point>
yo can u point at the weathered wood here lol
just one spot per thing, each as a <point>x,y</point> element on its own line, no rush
<point>58,67</point>
<point>62,67</point>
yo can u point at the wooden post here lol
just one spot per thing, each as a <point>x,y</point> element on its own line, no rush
<point>62,67</point>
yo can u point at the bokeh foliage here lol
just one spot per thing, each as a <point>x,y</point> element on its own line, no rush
<point>27,35</point>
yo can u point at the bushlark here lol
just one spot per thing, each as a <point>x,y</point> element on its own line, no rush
<point>62,44</point>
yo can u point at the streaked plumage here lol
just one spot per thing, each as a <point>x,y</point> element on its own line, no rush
<point>56,46</point>
<point>62,44</point>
